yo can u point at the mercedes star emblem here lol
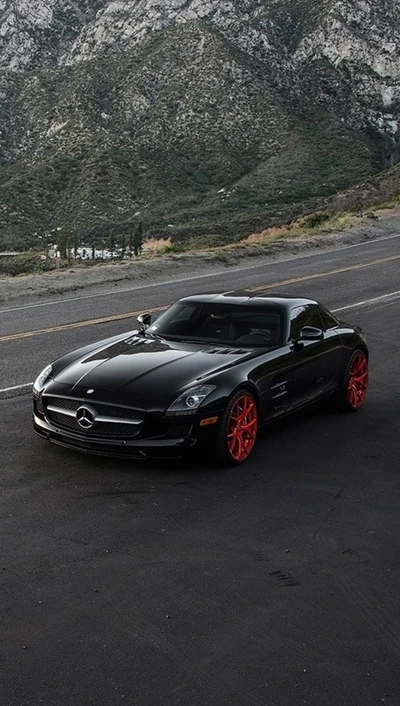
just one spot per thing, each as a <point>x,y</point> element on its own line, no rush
<point>86,417</point>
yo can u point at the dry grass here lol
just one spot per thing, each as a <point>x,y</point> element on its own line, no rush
<point>157,245</point>
<point>269,234</point>
<point>299,228</point>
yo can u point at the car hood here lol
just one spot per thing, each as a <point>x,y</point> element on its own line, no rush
<point>147,366</point>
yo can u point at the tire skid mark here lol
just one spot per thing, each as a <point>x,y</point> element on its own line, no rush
<point>284,579</point>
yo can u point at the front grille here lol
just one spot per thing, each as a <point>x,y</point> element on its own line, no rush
<point>114,429</point>
<point>61,412</point>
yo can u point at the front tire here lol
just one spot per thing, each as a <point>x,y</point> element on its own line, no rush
<point>353,390</point>
<point>237,431</point>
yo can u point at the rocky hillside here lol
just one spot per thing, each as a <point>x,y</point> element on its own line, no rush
<point>197,116</point>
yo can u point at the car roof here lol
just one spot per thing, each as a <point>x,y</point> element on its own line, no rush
<point>247,297</point>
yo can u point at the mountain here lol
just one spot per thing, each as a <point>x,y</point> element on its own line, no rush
<point>199,117</point>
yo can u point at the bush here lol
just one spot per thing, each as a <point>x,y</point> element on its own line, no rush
<point>23,264</point>
<point>46,265</point>
<point>313,220</point>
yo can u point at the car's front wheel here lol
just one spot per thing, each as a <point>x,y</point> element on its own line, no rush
<point>353,390</point>
<point>237,430</point>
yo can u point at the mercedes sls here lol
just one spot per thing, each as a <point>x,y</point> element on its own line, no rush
<point>209,371</point>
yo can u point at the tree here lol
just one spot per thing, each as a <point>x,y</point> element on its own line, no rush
<point>76,244</point>
<point>112,243</point>
<point>68,248</point>
<point>123,246</point>
<point>138,239</point>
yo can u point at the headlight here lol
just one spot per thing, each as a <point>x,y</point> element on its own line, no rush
<point>190,401</point>
<point>41,379</point>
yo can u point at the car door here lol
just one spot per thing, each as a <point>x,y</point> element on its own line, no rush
<point>316,362</point>
<point>273,379</point>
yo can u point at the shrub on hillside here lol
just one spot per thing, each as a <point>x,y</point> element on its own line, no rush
<point>25,264</point>
<point>313,220</point>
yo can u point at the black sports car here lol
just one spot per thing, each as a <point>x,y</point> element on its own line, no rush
<point>210,370</point>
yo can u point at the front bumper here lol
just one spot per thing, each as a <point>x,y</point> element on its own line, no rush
<point>151,447</point>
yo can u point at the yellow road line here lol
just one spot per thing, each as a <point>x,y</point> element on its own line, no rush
<point>131,314</point>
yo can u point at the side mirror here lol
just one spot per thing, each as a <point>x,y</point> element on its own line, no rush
<point>144,320</point>
<point>311,333</point>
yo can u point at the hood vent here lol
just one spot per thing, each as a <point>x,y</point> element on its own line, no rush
<point>226,351</point>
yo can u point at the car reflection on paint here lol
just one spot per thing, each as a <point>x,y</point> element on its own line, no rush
<point>209,371</point>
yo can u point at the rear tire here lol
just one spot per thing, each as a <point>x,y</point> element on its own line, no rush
<point>237,430</point>
<point>353,390</point>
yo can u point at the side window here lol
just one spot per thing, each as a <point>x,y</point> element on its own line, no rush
<point>308,315</point>
<point>330,320</point>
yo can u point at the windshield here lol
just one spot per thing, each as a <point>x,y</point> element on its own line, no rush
<point>232,325</point>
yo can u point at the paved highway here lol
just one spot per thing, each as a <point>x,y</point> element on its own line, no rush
<point>272,584</point>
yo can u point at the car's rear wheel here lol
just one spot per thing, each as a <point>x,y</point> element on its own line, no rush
<point>353,390</point>
<point>237,431</point>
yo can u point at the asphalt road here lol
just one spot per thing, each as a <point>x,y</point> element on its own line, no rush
<point>272,584</point>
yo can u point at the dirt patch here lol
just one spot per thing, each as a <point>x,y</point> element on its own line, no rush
<point>175,266</point>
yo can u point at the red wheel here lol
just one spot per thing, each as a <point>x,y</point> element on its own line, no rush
<point>353,389</point>
<point>242,428</point>
<point>357,379</point>
<point>238,430</point>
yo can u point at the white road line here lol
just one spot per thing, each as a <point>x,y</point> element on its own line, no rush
<point>368,301</point>
<point>26,386</point>
<point>16,388</point>
<point>192,278</point>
